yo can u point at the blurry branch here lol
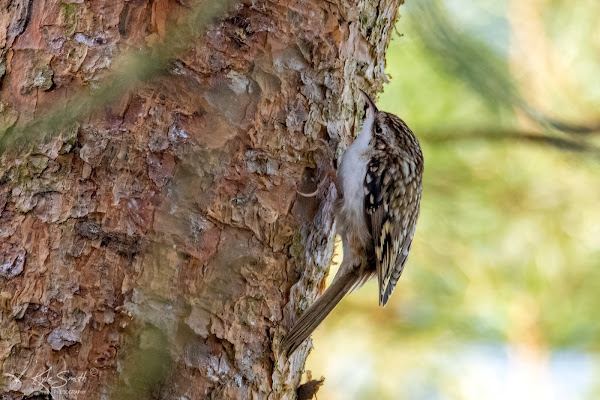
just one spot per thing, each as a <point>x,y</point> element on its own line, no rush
<point>562,126</point>
<point>480,66</point>
<point>141,67</point>
<point>566,144</point>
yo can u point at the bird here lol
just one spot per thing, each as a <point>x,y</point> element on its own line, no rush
<point>380,181</point>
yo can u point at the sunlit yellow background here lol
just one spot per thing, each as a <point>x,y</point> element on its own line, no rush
<point>500,298</point>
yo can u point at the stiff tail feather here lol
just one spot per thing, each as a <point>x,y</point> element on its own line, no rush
<point>317,312</point>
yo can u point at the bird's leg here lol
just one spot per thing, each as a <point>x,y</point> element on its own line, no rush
<point>316,192</point>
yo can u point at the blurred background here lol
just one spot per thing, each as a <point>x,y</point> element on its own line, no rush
<point>501,292</point>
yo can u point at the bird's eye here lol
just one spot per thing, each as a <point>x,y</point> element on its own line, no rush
<point>378,129</point>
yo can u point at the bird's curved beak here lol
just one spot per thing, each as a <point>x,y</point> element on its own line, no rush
<point>369,101</point>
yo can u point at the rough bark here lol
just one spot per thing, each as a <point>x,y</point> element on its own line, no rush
<point>156,247</point>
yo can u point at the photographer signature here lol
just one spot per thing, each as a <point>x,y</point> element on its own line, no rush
<point>49,380</point>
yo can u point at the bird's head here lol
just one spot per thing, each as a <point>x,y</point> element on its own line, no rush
<point>390,127</point>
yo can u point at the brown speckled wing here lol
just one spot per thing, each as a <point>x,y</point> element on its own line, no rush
<point>392,197</point>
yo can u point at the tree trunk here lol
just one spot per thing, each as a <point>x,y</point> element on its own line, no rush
<point>152,243</point>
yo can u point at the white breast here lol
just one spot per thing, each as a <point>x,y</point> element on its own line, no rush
<point>352,172</point>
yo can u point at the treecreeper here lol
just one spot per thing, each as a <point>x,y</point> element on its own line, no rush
<point>380,181</point>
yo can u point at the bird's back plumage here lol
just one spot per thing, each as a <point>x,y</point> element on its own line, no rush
<point>392,185</point>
